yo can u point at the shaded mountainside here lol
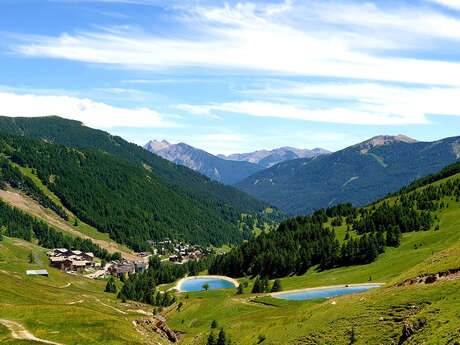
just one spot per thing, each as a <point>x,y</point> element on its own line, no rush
<point>268,158</point>
<point>183,180</point>
<point>359,174</point>
<point>218,169</point>
<point>129,202</point>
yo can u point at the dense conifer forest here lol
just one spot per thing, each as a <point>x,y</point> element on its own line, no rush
<point>13,176</point>
<point>129,202</point>
<point>15,223</point>
<point>184,181</point>
<point>306,241</point>
<point>360,174</point>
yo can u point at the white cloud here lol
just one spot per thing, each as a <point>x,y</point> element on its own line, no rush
<point>302,112</point>
<point>327,39</point>
<point>455,4</point>
<point>92,114</point>
<point>351,103</point>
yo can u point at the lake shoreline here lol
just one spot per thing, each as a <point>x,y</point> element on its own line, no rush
<point>331,287</point>
<point>178,286</point>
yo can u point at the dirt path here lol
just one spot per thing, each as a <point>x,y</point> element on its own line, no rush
<point>109,306</point>
<point>19,332</point>
<point>30,206</point>
<point>64,286</point>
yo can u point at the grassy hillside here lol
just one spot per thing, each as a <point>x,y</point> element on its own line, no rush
<point>359,174</point>
<point>79,312</point>
<point>430,311</point>
<point>184,181</point>
<point>62,308</point>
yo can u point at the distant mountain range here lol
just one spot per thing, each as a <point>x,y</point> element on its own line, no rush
<point>268,158</point>
<point>360,174</point>
<point>218,169</point>
<point>226,169</point>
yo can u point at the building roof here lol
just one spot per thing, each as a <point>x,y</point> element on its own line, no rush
<point>57,259</point>
<point>62,250</point>
<point>90,254</point>
<point>37,272</point>
<point>79,263</point>
<point>76,252</point>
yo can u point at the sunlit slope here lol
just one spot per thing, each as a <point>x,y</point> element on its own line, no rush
<point>62,308</point>
<point>429,313</point>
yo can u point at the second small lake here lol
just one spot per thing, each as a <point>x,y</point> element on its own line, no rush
<point>324,293</point>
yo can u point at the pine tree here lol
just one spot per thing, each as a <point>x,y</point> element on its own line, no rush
<point>222,338</point>
<point>257,288</point>
<point>239,290</point>
<point>211,339</point>
<point>276,286</point>
<point>110,286</point>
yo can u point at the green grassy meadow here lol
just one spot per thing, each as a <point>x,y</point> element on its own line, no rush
<point>377,316</point>
<point>81,313</point>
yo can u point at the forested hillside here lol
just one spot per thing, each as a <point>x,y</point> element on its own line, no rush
<point>129,202</point>
<point>307,241</point>
<point>359,174</point>
<point>184,181</point>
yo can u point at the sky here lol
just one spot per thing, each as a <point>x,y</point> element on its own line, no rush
<point>228,76</point>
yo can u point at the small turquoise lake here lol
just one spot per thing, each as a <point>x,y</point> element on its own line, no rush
<point>197,284</point>
<point>324,293</point>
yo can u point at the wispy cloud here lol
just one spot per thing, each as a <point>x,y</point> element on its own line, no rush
<point>352,103</point>
<point>302,112</point>
<point>93,114</point>
<point>455,4</point>
<point>315,39</point>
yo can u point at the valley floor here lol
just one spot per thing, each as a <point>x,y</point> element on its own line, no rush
<point>68,309</point>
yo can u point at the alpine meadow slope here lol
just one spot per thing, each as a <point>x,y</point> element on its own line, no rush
<point>418,304</point>
<point>359,174</point>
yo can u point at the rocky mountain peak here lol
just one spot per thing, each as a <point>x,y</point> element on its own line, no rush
<point>384,140</point>
<point>155,146</point>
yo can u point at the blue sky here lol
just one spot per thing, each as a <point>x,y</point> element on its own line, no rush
<point>236,76</point>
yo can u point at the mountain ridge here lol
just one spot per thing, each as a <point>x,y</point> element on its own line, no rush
<point>224,171</point>
<point>268,158</point>
<point>75,134</point>
<point>361,173</point>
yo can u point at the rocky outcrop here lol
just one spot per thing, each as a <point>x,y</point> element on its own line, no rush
<point>385,140</point>
<point>158,325</point>
<point>431,278</point>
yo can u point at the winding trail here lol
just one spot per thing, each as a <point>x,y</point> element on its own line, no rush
<point>19,332</point>
<point>109,306</point>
